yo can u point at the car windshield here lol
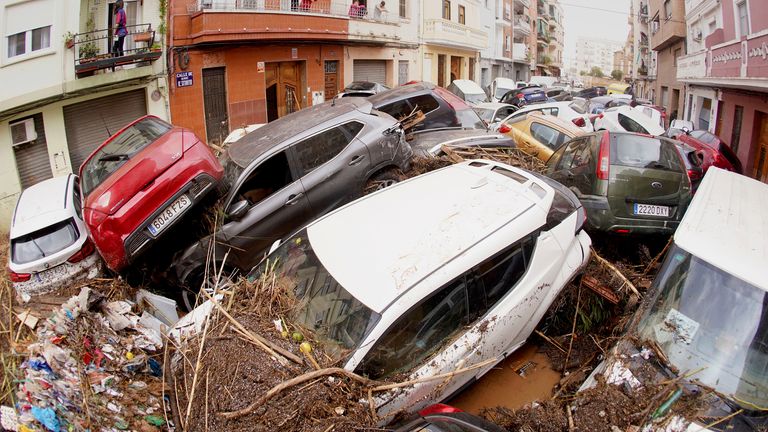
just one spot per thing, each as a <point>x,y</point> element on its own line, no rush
<point>119,150</point>
<point>44,242</point>
<point>710,322</point>
<point>485,114</point>
<point>336,318</point>
<point>500,92</point>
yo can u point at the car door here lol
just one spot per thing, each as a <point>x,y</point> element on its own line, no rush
<point>648,179</point>
<point>333,164</point>
<point>276,205</point>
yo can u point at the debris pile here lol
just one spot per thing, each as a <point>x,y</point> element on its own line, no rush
<point>95,365</point>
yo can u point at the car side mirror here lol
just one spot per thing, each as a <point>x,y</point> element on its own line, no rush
<point>237,210</point>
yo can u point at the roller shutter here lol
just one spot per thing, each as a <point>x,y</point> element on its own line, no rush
<point>87,122</point>
<point>370,70</point>
<point>32,160</point>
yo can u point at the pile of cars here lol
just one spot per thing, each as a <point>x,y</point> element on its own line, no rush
<point>329,206</point>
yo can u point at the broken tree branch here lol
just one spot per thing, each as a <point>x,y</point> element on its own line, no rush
<point>550,340</point>
<point>618,272</point>
<point>435,377</point>
<point>293,382</point>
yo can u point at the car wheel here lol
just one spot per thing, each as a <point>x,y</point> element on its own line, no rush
<point>383,180</point>
<point>190,295</point>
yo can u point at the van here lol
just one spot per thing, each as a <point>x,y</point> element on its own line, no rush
<point>468,90</point>
<point>619,89</point>
<point>706,312</point>
<point>499,87</point>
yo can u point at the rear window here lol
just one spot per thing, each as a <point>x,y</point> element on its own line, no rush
<point>44,242</point>
<point>468,119</point>
<point>579,107</point>
<point>121,149</point>
<point>644,152</point>
<point>402,108</point>
<point>485,114</point>
<point>630,125</point>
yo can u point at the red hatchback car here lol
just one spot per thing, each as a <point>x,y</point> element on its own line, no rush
<point>139,182</point>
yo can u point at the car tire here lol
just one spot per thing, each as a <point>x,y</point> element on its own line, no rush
<point>383,179</point>
<point>190,294</point>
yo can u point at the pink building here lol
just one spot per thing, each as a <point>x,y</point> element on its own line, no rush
<point>726,76</point>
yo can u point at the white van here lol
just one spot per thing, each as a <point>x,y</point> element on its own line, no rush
<point>707,310</point>
<point>468,90</point>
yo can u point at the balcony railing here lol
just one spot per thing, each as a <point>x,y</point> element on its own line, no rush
<point>336,8</point>
<point>522,23</point>
<point>441,30</point>
<point>93,50</point>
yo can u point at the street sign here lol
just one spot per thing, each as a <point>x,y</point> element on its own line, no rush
<point>183,79</point>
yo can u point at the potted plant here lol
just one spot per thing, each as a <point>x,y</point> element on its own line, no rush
<point>69,40</point>
<point>88,52</point>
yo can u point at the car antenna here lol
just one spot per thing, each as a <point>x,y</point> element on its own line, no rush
<point>105,125</point>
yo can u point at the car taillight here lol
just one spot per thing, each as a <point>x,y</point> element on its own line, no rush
<point>19,277</point>
<point>504,128</point>
<point>604,160</point>
<point>94,218</point>
<point>83,253</point>
<point>579,121</point>
<point>438,409</point>
<point>694,174</point>
<point>721,162</point>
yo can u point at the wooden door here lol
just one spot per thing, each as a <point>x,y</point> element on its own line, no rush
<point>441,70</point>
<point>283,88</point>
<point>331,79</point>
<point>760,171</point>
<point>455,68</point>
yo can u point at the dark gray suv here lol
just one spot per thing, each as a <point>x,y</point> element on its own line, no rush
<point>291,171</point>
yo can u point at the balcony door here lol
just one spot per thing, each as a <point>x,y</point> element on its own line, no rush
<point>284,88</point>
<point>131,12</point>
<point>760,170</point>
<point>455,68</point>
<point>441,70</point>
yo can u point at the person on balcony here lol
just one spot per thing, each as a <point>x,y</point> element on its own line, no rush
<point>357,10</point>
<point>121,30</point>
<point>380,12</point>
<point>306,5</point>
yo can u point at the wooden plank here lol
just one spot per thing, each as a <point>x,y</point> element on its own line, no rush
<point>600,289</point>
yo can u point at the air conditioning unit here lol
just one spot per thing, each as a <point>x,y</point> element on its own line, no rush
<point>23,132</point>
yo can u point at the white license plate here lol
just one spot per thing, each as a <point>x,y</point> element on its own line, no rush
<point>169,215</point>
<point>651,210</point>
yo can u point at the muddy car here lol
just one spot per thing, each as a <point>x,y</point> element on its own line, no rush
<point>702,326</point>
<point>390,293</point>
<point>289,172</point>
<point>140,183</point>
<point>49,243</point>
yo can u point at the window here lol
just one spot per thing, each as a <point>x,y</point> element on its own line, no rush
<point>678,53</point>
<point>44,242</point>
<point>402,8</point>
<point>566,157</point>
<point>630,125</point>
<point>419,333</point>
<point>76,201</point>
<point>667,9</point>
<point>743,19</point>
<point>399,109</point>
<point>498,276</point>
<point>644,152</point>
<point>320,148</point>
<point>29,41</point>
<point>268,178</point>
<point>664,96</point>
<point>462,16</point>
<point>446,9</point>
<point>738,116</point>
<point>704,113</point>
<point>548,136</point>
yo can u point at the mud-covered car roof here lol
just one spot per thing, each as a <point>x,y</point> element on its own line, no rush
<point>251,146</point>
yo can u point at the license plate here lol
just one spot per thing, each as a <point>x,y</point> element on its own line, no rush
<point>169,215</point>
<point>651,210</point>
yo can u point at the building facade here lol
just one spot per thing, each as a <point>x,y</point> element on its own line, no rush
<point>667,22</point>
<point>522,30</point>
<point>554,56</point>
<point>592,52</point>
<point>64,93</point>
<point>644,59</point>
<point>726,76</point>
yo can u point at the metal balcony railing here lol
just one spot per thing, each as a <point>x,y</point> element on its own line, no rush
<point>335,8</point>
<point>93,50</point>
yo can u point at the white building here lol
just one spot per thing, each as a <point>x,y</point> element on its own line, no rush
<point>592,52</point>
<point>61,97</point>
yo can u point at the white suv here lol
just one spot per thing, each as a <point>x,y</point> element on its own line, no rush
<point>49,243</point>
<point>445,270</point>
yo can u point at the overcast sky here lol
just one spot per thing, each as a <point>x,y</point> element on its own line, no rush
<point>604,19</point>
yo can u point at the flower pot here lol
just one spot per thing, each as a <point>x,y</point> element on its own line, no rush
<point>69,43</point>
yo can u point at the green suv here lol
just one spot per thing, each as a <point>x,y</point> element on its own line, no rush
<point>628,183</point>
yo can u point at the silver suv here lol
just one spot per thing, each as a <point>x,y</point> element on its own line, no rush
<point>291,171</point>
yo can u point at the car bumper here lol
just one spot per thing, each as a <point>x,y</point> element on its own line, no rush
<point>62,275</point>
<point>601,218</point>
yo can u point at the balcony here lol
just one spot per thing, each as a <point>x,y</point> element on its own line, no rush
<point>443,32</point>
<point>261,20</point>
<point>383,30</point>
<point>92,49</point>
<point>524,3</point>
<point>520,53</point>
<point>522,25</point>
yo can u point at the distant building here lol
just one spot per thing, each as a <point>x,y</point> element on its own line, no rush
<point>667,23</point>
<point>592,52</point>
<point>643,68</point>
<point>549,38</point>
<point>726,76</point>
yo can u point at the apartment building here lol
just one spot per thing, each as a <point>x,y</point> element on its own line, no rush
<point>667,22</point>
<point>726,76</point>
<point>644,60</point>
<point>523,38</point>
<point>554,55</point>
<point>452,35</point>
<point>496,58</point>
<point>63,92</point>
<point>592,52</point>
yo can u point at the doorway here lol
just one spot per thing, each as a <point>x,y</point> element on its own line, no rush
<point>284,88</point>
<point>455,68</point>
<point>215,103</point>
<point>331,79</point>
<point>472,68</point>
<point>760,170</point>
<point>131,12</point>
<point>441,70</point>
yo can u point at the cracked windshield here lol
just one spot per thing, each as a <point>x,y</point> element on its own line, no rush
<point>345,215</point>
